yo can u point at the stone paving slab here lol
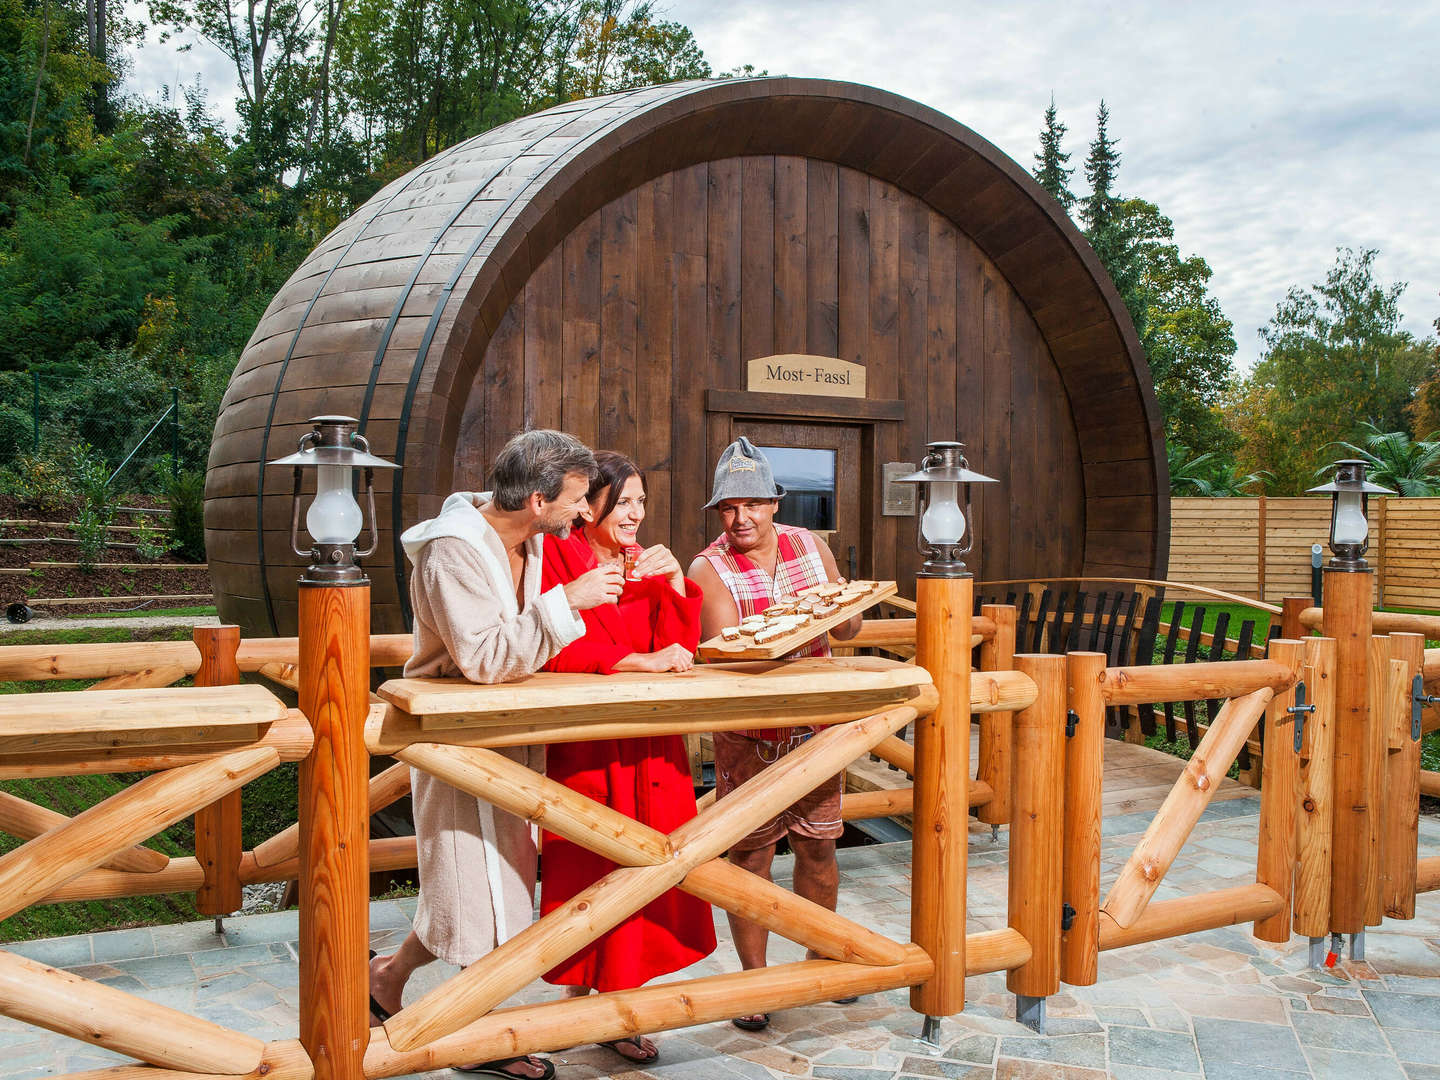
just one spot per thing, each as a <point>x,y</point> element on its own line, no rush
<point>1217,1005</point>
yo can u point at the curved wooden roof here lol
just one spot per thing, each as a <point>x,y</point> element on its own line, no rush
<point>389,316</point>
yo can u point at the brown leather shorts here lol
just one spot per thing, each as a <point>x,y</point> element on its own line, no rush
<point>738,758</point>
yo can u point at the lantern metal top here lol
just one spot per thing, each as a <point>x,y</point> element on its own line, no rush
<point>950,467</point>
<point>334,441</point>
<point>1350,476</point>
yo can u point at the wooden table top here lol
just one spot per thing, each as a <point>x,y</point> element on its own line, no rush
<point>65,720</point>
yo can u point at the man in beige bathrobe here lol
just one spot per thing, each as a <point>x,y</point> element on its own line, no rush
<point>480,614</point>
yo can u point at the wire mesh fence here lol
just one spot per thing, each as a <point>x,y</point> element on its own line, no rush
<point>133,430</point>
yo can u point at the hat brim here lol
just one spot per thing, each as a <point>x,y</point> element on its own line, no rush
<point>720,496</point>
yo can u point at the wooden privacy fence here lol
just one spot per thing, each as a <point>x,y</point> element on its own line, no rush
<point>1260,547</point>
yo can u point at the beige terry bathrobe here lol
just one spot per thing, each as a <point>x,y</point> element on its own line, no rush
<point>477,863</point>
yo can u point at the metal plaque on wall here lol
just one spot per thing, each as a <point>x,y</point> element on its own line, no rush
<point>899,499</point>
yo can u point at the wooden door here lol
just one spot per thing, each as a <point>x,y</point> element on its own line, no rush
<point>819,466</point>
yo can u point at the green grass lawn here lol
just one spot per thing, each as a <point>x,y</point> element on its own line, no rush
<point>168,613</point>
<point>1238,613</point>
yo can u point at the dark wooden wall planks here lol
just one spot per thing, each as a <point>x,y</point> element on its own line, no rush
<point>788,268</point>
<point>601,265</point>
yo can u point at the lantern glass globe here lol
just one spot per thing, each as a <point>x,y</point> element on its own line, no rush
<point>944,521</point>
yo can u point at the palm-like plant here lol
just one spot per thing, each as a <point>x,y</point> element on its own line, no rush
<point>1208,476</point>
<point>1410,467</point>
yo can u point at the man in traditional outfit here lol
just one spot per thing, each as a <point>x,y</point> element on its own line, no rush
<point>751,563</point>
<point>480,614</point>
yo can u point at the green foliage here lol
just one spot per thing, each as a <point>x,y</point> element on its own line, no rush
<point>1335,357</point>
<point>1050,170</point>
<point>150,542</point>
<point>1409,467</point>
<point>41,484</point>
<point>186,497</point>
<point>1209,475</point>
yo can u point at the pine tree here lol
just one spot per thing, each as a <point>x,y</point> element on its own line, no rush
<point>1108,227</point>
<point>1050,168</point>
<point>1097,209</point>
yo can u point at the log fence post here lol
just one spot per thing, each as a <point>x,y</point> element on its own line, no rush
<point>334,646</point>
<point>942,798</point>
<point>1036,837</point>
<point>1084,782</point>
<point>1291,629</point>
<point>218,847</point>
<point>1377,685</point>
<point>1348,619</point>
<point>997,760</point>
<point>1280,768</point>
<point>1399,855</point>
<point>1314,826</point>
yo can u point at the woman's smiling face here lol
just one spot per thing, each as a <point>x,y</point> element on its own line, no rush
<point>620,526</point>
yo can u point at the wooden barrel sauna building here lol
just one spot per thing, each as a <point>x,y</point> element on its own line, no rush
<point>838,272</point>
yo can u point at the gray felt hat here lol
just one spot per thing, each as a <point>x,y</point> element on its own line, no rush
<point>743,473</point>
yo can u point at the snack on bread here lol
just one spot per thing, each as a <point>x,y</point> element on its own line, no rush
<point>730,633</point>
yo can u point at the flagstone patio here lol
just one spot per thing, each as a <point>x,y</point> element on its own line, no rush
<point>1217,1004</point>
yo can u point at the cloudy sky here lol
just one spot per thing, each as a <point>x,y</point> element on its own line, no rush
<point>1270,134</point>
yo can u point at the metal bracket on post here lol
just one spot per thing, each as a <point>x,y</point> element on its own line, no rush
<point>1357,946</point>
<point>1297,713</point>
<point>1030,1011</point>
<point>1317,952</point>
<point>1067,916</point>
<point>930,1032</point>
<point>1418,700</point>
<point>1072,721</point>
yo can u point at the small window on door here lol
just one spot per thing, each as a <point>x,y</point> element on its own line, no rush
<point>808,477</point>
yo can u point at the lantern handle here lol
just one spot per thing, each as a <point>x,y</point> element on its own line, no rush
<point>370,498</point>
<point>295,515</point>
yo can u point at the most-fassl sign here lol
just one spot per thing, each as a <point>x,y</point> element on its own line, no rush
<point>793,373</point>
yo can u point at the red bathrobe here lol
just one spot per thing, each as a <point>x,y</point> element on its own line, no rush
<point>648,779</point>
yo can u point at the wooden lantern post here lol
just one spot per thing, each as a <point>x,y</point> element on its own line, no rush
<point>942,797</point>
<point>944,598</point>
<point>334,654</point>
<point>1348,619</point>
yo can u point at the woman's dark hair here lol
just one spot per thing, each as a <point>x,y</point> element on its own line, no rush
<point>612,470</point>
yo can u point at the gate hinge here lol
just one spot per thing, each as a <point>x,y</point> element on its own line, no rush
<point>1067,916</point>
<point>1418,700</point>
<point>1072,720</point>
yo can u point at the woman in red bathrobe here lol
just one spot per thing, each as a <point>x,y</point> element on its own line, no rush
<point>654,626</point>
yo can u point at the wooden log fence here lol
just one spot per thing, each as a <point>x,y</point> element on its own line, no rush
<point>202,743</point>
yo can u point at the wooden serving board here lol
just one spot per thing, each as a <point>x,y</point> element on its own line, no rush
<point>718,649</point>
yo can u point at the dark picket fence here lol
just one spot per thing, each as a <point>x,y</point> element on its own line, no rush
<point>1125,625</point>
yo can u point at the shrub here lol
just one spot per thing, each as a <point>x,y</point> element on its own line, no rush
<point>150,542</point>
<point>40,483</point>
<point>186,495</point>
<point>92,529</point>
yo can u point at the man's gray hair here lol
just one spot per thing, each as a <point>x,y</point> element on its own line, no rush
<point>538,460</point>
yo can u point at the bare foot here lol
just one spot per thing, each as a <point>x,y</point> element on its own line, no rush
<point>637,1048</point>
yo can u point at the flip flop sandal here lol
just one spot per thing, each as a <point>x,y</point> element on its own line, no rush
<point>745,1023</point>
<point>498,1068</point>
<point>633,1040</point>
<point>379,1011</point>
